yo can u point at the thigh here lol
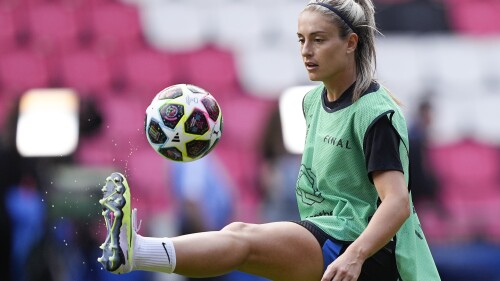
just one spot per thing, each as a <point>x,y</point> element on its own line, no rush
<point>282,251</point>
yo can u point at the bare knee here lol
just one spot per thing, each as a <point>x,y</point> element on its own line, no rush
<point>239,235</point>
<point>238,228</point>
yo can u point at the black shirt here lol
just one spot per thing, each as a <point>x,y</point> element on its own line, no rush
<point>381,140</point>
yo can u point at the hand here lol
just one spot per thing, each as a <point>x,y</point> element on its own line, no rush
<point>347,267</point>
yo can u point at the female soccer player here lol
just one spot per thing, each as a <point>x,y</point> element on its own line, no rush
<point>357,217</point>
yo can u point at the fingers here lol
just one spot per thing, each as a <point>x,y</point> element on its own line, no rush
<point>328,275</point>
<point>332,274</point>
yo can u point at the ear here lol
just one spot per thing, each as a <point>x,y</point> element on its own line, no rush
<point>352,42</point>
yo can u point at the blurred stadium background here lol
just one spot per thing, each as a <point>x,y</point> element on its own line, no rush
<point>117,54</point>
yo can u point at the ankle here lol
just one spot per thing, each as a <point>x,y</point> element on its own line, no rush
<point>154,254</point>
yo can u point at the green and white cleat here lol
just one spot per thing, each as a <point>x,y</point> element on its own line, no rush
<point>118,248</point>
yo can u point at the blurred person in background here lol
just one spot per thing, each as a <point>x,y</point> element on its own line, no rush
<point>205,201</point>
<point>39,244</point>
<point>358,221</point>
<point>424,181</point>
<point>278,174</point>
<point>9,159</point>
<point>22,216</point>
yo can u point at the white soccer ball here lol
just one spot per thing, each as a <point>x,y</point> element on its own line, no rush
<point>183,123</point>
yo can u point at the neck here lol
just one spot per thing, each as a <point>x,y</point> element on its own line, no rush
<point>336,86</point>
<point>335,89</point>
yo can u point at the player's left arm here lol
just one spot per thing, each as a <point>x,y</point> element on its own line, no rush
<point>385,223</point>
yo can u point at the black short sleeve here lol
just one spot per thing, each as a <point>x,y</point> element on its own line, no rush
<point>382,147</point>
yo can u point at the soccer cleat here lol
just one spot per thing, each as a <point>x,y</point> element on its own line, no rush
<point>118,248</point>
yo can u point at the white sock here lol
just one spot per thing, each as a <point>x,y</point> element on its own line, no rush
<point>154,254</point>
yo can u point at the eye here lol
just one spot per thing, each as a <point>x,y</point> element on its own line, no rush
<point>318,40</point>
<point>301,40</point>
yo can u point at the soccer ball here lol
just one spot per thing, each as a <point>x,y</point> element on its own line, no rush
<point>183,123</point>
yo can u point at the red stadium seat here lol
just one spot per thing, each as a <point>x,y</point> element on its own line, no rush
<point>469,169</point>
<point>212,69</point>
<point>7,30</point>
<point>146,72</point>
<point>470,186</point>
<point>115,27</point>
<point>22,70</point>
<point>85,71</point>
<point>435,226</point>
<point>53,27</point>
<point>95,150</point>
<point>244,117</point>
<point>147,171</point>
<point>475,17</point>
<point>124,122</point>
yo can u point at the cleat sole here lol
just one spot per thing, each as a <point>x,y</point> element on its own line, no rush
<point>114,204</point>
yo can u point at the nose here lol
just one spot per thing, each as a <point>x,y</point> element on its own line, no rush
<point>305,49</point>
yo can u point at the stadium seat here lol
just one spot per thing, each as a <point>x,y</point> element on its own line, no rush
<point>452,54</point>
<point>485,115</point>
<point>213,69</point>
<point>489,56</point>
<point>244,116</point>
<point>21,70</point>
<point>147,172</point>
<point>475,17</point>
<point>269,70</point>
<point>174,26</point>
<point>8,30</point>
<point>146,71</point>
<point>228,19</point>
<point>53,27</point>
<point>435,226</point>
<point>86,71</point>
<point>115,27</point>
<point>95,150</point>
<point>284,17</point>
<point>470,187</point>
<point>449,126</point>
<point>120,135</point>
<point>124,123</point>
<point>470,164</point>
<point>399,65</point>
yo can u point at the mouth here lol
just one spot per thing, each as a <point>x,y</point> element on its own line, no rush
<point>311,66</point>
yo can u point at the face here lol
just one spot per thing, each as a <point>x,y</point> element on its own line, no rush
<point>326,55</point>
